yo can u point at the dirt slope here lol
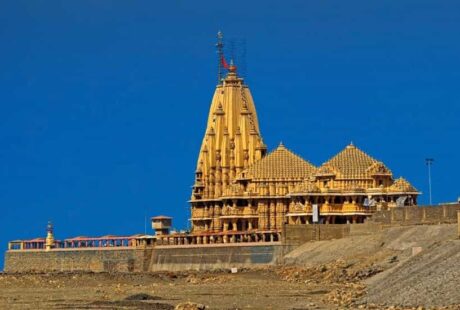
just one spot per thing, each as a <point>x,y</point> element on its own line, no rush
<point>429,278</point>
<point>394,240</point>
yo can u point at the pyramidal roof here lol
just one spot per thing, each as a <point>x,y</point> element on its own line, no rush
<point>280,164</point>
<point>401,185</point>
<point>352,163</point>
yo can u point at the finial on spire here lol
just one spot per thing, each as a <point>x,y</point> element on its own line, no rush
<point>232,67</point>
<point>49,227</point>
<point>351,145</point>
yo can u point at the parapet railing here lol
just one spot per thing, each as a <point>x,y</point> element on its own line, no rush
<point>250,236</point>
<point>82,243</point>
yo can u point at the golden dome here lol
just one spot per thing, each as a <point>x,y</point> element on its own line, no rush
<point>353,163</point>
<point>401,185</point>
<point>280,164</point>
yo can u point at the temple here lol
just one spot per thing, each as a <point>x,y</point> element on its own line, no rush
<point>241,191</point>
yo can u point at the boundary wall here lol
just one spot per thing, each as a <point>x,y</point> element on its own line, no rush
<point>297,234</point>
<point>442,214</point>
<point>60,260</point>
<point>215,256</point>
<point>170,258</point>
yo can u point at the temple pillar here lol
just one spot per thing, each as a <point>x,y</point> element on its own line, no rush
<point>272,215</point>
<point>280,213</point>
<point>216,222</point>
<point>234,225</point>
<point>260,211</point>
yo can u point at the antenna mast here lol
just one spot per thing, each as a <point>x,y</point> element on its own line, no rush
<point>220,53</point>
<point>429,162</point>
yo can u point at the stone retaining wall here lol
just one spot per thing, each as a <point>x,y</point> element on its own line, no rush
<point>216,256</point>
<point>298,234</point>
<point>172,258</point>
<point>418,215</point>
<point>97,260</point>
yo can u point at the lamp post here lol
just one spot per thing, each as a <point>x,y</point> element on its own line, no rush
<point>429,162</point>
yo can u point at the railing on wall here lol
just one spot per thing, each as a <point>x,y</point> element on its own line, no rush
<point>84,243</point>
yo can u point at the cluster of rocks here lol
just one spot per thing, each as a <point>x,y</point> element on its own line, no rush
<point>347,295</point>
<point>339,271</point>
<point>190,306</point>
<point>206,278</point>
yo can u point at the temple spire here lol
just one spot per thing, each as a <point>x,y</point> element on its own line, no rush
<point>236,141</point>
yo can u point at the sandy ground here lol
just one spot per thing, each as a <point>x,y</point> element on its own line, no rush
<point>253,289</point>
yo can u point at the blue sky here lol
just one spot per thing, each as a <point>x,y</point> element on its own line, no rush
<point>103,104</point>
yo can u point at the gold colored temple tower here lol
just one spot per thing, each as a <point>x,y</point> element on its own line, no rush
<point>241,193</point>
<point>232,141</point>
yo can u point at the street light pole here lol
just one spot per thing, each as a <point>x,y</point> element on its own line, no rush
<point>429,162</point>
